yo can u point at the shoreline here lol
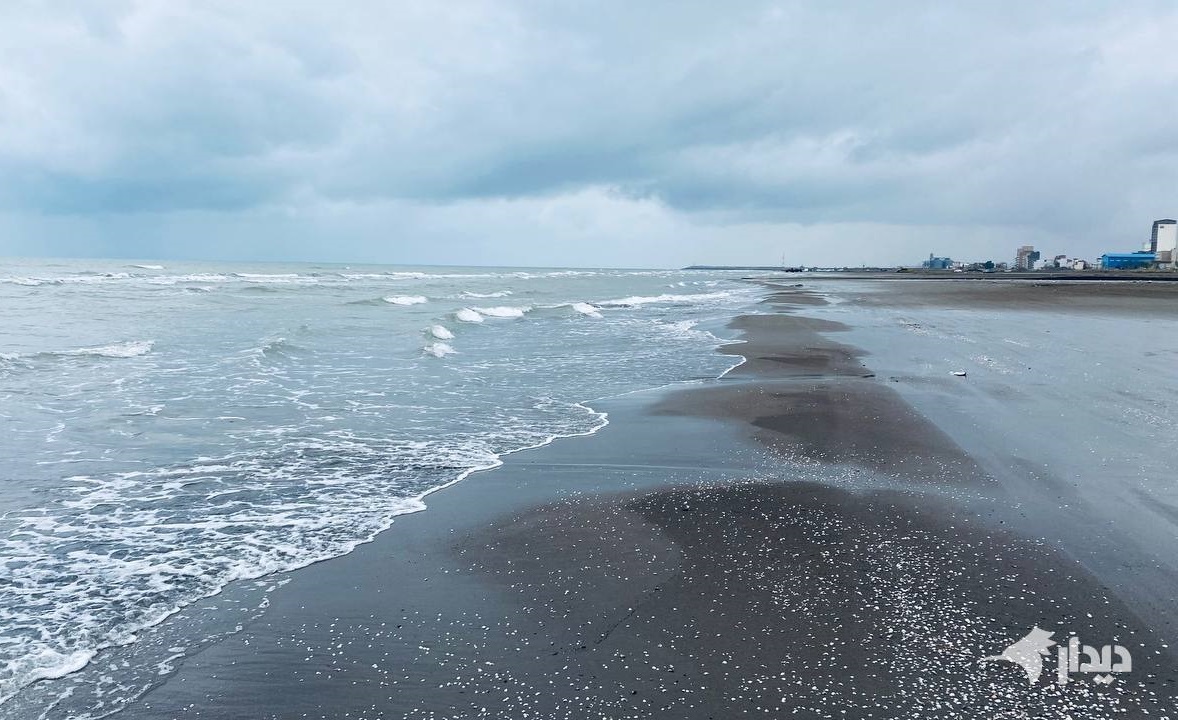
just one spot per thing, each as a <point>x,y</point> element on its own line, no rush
<point>740,544</point>
<point>1126,276</point>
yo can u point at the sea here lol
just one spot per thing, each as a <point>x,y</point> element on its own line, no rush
<point>178,436</point>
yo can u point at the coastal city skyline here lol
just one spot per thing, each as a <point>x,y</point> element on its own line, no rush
<point>1158,252</point>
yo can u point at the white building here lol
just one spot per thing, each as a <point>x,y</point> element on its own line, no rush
<point>1164,241</point>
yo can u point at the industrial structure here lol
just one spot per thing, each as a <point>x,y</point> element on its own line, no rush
<point>1164,241</point>
<point>1161,252</point>
<point>1139,260</point>
<point>937,263</point>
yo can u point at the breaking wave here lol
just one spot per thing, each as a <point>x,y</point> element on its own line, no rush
<point>639,300</point>
<point>483,296</point>
<point>440,349</point>
<point>406,300</point>
<point>586,309</point>
<point>502,311</point>
<point>131,349</point>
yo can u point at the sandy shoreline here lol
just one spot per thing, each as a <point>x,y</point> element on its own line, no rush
<point>794,539</point>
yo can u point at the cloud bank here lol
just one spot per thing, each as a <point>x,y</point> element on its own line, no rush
<point>614,133</point>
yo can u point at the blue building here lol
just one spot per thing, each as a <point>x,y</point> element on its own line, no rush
<point>937,263</point>
<point>1127,261</point>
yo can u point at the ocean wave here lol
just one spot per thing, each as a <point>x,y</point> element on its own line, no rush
<point>417,275</point>
<point>115,351</point>
<point>189,278</point>
<point>440,349</point>
<point>148,267</point>
<point>272,346</point>
<point>295,452</point>
<point>364,276</point>
<point>26,281</point>
<point>406,300</point>
<point>277,278</point>
<point>146,567</point>
<point>502,311</point>
<point>483,296</point>
<point>688,329</point>
<point>130,349</point>
<point>638,300</point>
<point>440,332</point>
<point>586,309</point>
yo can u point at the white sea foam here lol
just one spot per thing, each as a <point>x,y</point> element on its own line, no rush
<point>440,332</point>
<point>189,278</point>
<point>586,309</point>
<point>639,300</point>
<point>468,315</point>
<point>406,300</point>
<point>688,329</point>
<point>440,349</point>
<point>312,516</point>
<point>149,267</point>
<point>498,294</point>
<point>285,463</point>
<point>90,279</point>
<point>502,311</point>
<point>45,664</point>
<point>130,349</point>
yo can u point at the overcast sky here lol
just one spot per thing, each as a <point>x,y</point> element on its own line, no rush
<point>635,133</point>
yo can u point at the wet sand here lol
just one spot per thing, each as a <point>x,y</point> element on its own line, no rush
<point>1076,294</point>
<point>792,540</point>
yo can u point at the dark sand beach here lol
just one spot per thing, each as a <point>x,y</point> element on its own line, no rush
<point>795,539</point>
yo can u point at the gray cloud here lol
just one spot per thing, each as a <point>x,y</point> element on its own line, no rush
<point>997,120</point>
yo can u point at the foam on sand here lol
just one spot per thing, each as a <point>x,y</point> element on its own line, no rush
<point>406,300</point>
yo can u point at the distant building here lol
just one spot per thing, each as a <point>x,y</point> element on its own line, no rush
<point>1127,261</point>
<point>1163,240</point>
<point>1164,236</point>
<point>937,263</point>
<point>1025,258</point>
